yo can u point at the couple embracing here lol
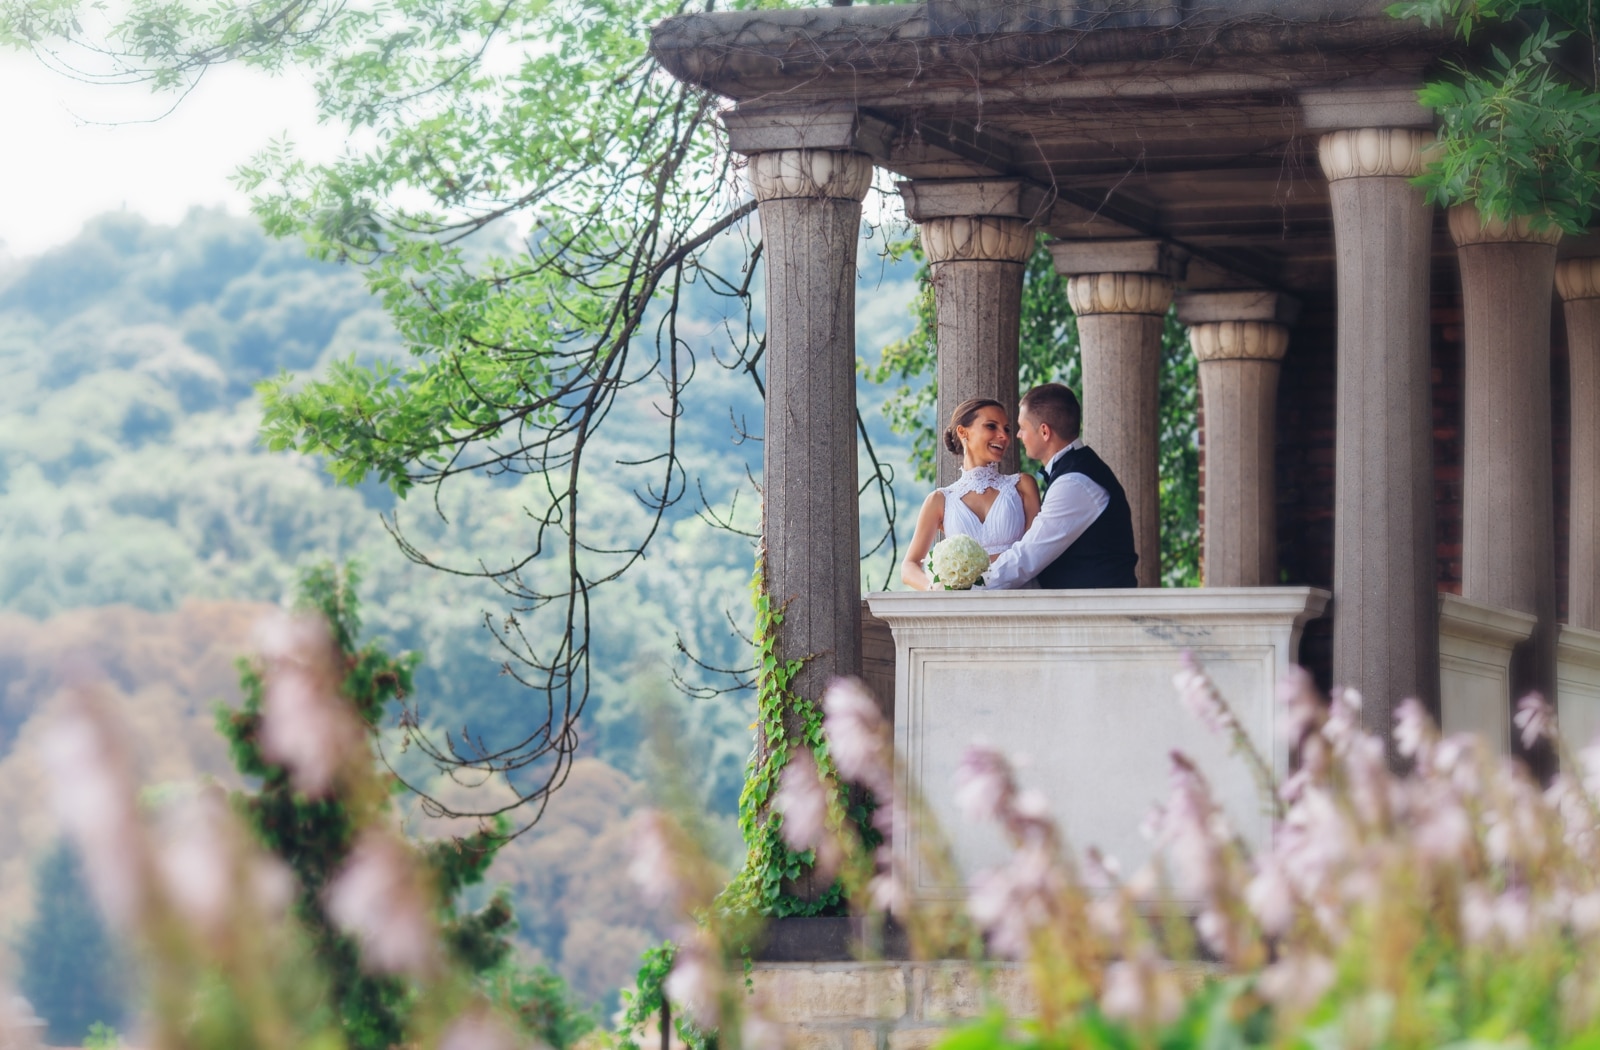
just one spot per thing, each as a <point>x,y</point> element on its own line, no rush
<point>1078,534</point>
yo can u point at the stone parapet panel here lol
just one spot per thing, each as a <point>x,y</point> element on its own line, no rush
<point>884,1005</point>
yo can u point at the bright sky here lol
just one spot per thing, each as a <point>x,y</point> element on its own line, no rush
<point>76,150</point>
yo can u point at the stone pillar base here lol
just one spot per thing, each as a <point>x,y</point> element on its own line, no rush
<point>1476,644</point>
<point>1578,682</point>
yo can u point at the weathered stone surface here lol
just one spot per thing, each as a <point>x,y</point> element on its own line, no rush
<point>866,1039</point>
<point>805,994</point>
<point>916,1038</point>
<point>1508,500</point>
<point>1476,643</point>
<point>807,1037</point>
<point>958,990</point>
<point>1121,355</point>
<point>810,221</point>
<point>1385,629</point>
<point>1241,533</point>
<point>1578,280</point>
<point>1081,681</point>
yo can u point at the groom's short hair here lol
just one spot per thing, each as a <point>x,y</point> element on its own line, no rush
<point>1057,406</point>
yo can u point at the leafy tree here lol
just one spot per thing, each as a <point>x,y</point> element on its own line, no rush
<point>314,836</point>
<point>1519,136</point>
<point>68,967</point>
<point>1048,352</point>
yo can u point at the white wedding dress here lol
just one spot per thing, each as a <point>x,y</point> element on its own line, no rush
<point>1005,522</point>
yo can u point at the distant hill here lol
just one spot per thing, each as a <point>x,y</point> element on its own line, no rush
<point>142,525</point>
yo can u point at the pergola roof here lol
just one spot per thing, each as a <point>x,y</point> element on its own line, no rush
<point>1138,118</point>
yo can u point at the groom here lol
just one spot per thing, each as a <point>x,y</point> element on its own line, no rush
<point>1083,533</point>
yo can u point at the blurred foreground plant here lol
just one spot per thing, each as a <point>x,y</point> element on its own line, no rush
<point>1457,904</point>
<point>298,915</point>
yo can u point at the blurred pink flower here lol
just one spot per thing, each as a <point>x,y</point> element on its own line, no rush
<point>379,897</point>
<point>695,983</point>
<point>984,784</point>
<point>1302,705</point>
<point>758,1033</point>
<point>478,1030</point>
<point>198,860</point>
<point>655,867</point>
<point>1536,718</point>
<point>858,737</point>
<point>1011,901</point>
<point>1297,981</point>
<point>1141,991</point>
<point>1344,718</point>
<point>1414,730</point>
<point>306,725</point>
<point>803,801</point>
<point>1271,897</point>
<point>1200,697</point>
<point>92,783</point>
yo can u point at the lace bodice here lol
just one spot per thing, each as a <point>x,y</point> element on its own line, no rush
<point>1005,522</point>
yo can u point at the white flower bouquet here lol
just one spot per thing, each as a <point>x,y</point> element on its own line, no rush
<point>957,562</point>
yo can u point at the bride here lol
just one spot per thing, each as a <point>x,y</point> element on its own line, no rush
<point>993,508</point>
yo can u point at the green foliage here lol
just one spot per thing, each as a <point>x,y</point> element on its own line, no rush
<point>314,836</point>
<point>101,1037</point>
<point>541,1001</point>
<point>1048,352</point>
<point>785,720</point>
<point>68,968</point>
<point>639,1025</point>
<point>1517,138</point>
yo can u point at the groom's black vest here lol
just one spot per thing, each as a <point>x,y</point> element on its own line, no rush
<point>1104,555</point>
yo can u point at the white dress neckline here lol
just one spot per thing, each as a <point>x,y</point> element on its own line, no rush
<point>1005,522</point>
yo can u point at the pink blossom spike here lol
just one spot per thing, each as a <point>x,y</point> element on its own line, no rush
<point>1536,719</point>
<point>803,801</point>
<point>379,898</point>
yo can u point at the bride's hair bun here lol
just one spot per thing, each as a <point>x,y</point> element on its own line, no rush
<point>963,416</point>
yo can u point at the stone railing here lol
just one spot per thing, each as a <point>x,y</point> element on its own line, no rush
<point>1079,685</point>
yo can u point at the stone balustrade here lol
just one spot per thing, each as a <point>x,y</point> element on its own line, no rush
<point>1079,684</point>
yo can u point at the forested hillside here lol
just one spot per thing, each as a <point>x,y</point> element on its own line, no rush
<point>140,517</point>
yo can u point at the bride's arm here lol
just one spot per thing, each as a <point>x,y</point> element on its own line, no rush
<point>1028,490</point>
<point>928,521</point>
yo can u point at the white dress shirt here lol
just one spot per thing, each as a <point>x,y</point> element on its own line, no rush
<point>1071,504</point>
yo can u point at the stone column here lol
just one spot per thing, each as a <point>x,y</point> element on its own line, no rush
<point>1240,338</point>
<point>810,206</point>
<point>1578,281</point>
<point>1508,502</point>
<point>977,240</point>
<point>1120,291</point>
<point>1385,627</point>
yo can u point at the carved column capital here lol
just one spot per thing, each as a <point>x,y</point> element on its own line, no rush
<point>1469,226</point>
<point>976,238</point>
<point>1119,293</point>
<point>1239,341</point>
<point>1578,278</point>
<point>809,173</point>
<point>1368,152</point>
